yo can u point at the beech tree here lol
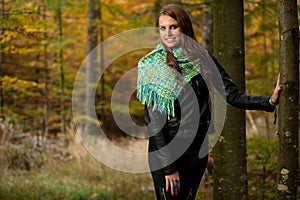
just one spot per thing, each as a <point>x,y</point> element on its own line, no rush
<point>289,100</point>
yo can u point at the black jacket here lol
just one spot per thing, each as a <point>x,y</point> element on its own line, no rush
<point>162,129</point>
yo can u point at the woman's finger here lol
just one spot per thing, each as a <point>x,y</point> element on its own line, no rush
<point>278,86</point>
<point>167,185</point>
<point>172,188</point>
<point>278,80</point>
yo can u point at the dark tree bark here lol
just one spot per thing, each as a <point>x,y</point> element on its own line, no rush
<point>91,65</point>
<point>1,59</point>
<point>61,71</point>
<point>230,174</point>
<point>46,89</point>
<point>156,9</point>
<point>289,101</point>
<point>208,24</point>
<point>102,95</point>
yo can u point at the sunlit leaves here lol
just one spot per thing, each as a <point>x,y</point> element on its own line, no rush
<point>31,37</point>
<point>261,35</point>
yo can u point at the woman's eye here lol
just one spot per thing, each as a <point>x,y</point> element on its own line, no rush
<point>173,27</point>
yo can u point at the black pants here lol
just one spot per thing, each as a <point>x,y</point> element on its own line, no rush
<point>191,170</point>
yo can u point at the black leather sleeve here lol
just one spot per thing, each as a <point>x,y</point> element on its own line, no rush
<point>240,99</point>
<point>158,138</point>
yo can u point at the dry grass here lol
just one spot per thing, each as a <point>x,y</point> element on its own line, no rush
<point>35,167</point>
<point>67,172</point>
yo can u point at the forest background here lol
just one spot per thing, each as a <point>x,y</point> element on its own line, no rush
<point>43,44</point>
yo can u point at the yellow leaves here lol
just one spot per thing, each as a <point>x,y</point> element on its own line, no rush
<point>21,51</point>
<point>8,36</point>
<point>14,83</point>
<point>35,30</point>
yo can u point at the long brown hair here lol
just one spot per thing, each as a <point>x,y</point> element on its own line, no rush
<point>189,40</point>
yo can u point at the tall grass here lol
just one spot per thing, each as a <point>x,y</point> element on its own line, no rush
<point>74,176</point>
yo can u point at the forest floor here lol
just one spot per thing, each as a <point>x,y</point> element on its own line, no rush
<point>65,170</point>
<point>61,168</point>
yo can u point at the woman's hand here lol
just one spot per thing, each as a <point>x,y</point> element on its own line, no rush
<point>276,93</point>
<point>173,182</point>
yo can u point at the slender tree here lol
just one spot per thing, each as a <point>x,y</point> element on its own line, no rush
<point>289,100</point>
<point>1,57</point>
<point>230,174</point>
<point>265,58</point>
<point>102,95</point>
<point>61,70</point>
<point>207,42</point>
<point>156,8</point>
<point>46,89</point>
<point>92,64</point>
<point>207,31</point>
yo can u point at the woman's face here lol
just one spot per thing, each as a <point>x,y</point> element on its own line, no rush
<point>169,31</point>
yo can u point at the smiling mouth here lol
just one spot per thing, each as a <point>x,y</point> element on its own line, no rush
<point>170,39</point>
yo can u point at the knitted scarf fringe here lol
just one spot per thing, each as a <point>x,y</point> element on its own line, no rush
<point>152,98</point>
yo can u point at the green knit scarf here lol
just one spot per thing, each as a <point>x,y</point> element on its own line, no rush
<point>157,85</point>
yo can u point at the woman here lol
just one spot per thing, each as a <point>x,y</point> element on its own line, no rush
<point>177,102</point>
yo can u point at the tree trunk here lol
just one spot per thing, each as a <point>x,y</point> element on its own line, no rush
<point>289,101</point>
<point>61,71</point>
<point>1,60</point>
<point>91,66</point>
<point>46,90</point>
<point>156,9</point>
<point>102,95</point>
<point>265,61</point>
<point>230,174</point>
<point>208,23</point>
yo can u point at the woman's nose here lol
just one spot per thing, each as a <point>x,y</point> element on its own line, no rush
<point>169,32</point>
